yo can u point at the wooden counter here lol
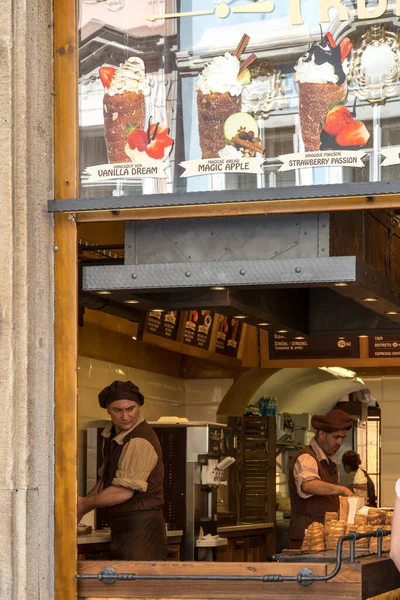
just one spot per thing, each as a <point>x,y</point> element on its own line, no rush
<point>366,578</point>
<point>98,542</point>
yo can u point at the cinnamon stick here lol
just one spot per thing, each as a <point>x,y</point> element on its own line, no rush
<point>249,61</point>
<point>248,145</point>
<point>241,46</point>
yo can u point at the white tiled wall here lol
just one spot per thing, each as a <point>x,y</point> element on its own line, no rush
<point>386,392</point>
<point>203,397</point>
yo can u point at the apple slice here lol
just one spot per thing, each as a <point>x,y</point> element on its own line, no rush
<point>244,77</point>
<point>237,122</point>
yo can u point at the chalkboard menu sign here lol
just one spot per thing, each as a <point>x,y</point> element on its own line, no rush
<point>228,337</point>
<point>384,346</point>
<point>164,324</point>
<point>287,347</point>
<point>198,328</point>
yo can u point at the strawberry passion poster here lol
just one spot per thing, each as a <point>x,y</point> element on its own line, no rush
<point>203,95</point>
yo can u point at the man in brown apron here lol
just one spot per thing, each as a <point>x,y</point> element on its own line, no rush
<point>314,476</point>
<point>132,475</point>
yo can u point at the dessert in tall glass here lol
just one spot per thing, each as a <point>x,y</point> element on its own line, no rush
<point>219,88</point>
<point>123,105</point>
<point>321,76</point>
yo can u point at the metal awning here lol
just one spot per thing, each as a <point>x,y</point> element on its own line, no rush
<point>278,292</point>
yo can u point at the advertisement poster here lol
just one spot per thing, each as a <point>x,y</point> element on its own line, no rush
<point>165,324</point>
<point>205,95</point>
<point>228,337</point>
<point>287,347</point>
<point>198,328</point>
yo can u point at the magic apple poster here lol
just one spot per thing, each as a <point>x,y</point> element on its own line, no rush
<point>205,95</point>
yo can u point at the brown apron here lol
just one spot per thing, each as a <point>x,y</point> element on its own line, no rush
<point>307,510</point>
<point>138,536</point>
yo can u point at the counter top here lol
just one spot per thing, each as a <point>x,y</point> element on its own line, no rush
<point>103,537</point>
<point>245,527</point>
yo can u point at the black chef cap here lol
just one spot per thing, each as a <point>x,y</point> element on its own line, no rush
<point>120,390</point>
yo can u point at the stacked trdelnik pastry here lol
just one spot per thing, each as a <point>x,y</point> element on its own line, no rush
<point>321,76</point>
<point>319,537</point>
<point>336,531</point>
<point>123,105</point>
<point>314,538</point>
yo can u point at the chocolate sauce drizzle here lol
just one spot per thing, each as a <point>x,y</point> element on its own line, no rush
<point>324,53</point>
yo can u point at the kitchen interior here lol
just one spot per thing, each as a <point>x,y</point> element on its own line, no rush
<point>228,428</point>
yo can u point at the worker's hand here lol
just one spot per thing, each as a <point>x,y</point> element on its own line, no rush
<point>81,508</point>
<point>347,492</point>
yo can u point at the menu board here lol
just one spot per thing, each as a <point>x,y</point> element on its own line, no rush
<point>164,324</point>
<point>384,346</point>
<point>207,95</point>
<point>287,347</point>
<point>228,336</point>
<point>198,328</point>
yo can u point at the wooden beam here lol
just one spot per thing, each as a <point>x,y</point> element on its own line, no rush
<point>260,207</point>
<point>211,590</point>
<point>66,175</point>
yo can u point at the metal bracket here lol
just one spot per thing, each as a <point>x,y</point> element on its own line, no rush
<point>108,575</point>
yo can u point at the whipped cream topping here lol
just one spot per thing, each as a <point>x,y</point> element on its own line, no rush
<point>230,152</point>
<point>220,76</point>
<point>129,77</point>
<point>321,64</point>
<point>310,72</point>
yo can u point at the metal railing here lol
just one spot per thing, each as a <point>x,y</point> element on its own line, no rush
<point>304,577</point>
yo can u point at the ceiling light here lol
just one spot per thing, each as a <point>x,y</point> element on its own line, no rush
<point>240,317</point>
<point>370,299</point>
<point>363,336</point>
<point>299,338</point>
<point>157,310</point>
<point>131,302</point>
<point>104,293</point>
<point>342,284</point>
<point>264,324</point>
<point>218,288</point>
<point>134,337</point>
<point>391,312</point>
<point>282,331</point>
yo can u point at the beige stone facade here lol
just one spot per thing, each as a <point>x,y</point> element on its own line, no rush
<point>26,302</point>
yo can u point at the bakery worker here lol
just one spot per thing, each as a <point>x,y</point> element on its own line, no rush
<point>132,475</point>
<point>357,479</point>
<point>314,476</point>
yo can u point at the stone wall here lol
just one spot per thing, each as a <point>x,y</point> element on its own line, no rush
<point>26,303</point>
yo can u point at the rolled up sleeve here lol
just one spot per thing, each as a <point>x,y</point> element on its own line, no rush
<point>305,469</point>
<point>138,459</point>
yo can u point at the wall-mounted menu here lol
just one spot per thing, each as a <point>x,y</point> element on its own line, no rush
<point>164,324</point>
<point>228,337</point>
<point>384,346</point>
<point>287,347</point>
<point>198,329</point>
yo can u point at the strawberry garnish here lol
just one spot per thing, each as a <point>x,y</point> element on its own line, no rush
<point>345,48</point>
<point>329,38</point>
<point>164,139</point>
<point>155,149</point>
<point>106,75</point>
<point>159,128</point>
<point>137,139</point>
